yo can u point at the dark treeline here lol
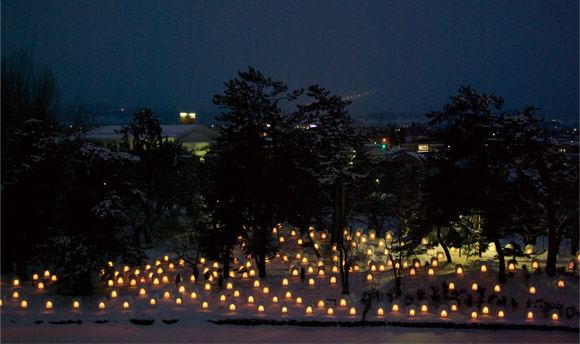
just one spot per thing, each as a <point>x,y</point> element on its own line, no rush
<point>73,206</point>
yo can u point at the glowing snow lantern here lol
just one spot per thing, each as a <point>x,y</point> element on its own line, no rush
<point>511,267</point>
<point>500,313</point>
<point>282,239</point>
<point>451,286</point>
<point>260,308</point>
<point>275,299</point>
<point>532,290</point>
<point>473,315</point>
<point>181,289</point>
<point>443,312</point>
<point>181,262</point>
<point>178,301</point>
<point>295,272</point>
<point>312,235</point>
<point>205,305</point>
<point>46,274</point>
<point>440,255</point>
<point>288,295</point>
<point>126,304</point>
<point>48,304</point>
<point>102,304</point>
<point>321,272</point>
<point>166,295</point>
<point>157,262</point>
<point>530,315</point>
<point>411,310</point>
<point>459,269</point>
<point>320,304</point>
<point>323,235</point>
<point>330,311</point>
<point>434,261</point>
<point>412,272</point>
<point>252,272</point>
<point>207,286</point>
<point>483,268</point>
<point>23,304</point>
<point>535,264</point>
<point>15,281</point>
<point>431,272</point>
<point>156,281</point>
<point>193,295</point>
<point>335,269</point>
<point>300,242</point>
<point>424,307</point>
<point>284,309</point>
<point>250,299</point>
<point>120,280</point>
<point>424,241</point>
<point>332,280</point>
<point>343,302</point>
<point>142,291</point>
<point>76,304</point>
<point>454,306</point>
<point>311,281</point>
<point>114,293</point>
<point>380,311</point>
<point>257,284</point>
<point>35,277</point>
<point>298,300</point>
<point>561,283</point>
<point>202,260</point>
<point>40,285</point>
<point>309,310</point>
<point>110,283</point>
<point>474,286</point>
<point>236,293</point>
<point>497,288</point>
<point>16,295</point>
<point>53,278</point>
<point>284,281</point>
<point>395,307</point>
<point>222,297</point>
<point>152,302</point>
<point>554,314</point>
<point>159,271</point>
<point>148,266</point>
<point>485,310</point>
<point>133,282</point>
<point>266,290</point>
<point>571,265</point>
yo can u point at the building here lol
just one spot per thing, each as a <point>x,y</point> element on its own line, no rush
<point>196,138</point>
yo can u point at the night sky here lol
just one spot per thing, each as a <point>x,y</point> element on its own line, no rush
<point>408,55</point>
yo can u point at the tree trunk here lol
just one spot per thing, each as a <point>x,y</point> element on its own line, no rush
<point>226,262</point>
<point>553,240</point>
<point>445,249</point>
<point>500,256</point>
<point>261,251</point>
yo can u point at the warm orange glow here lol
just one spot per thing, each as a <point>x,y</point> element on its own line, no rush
<point>284,309</point>
<point>352,311</point>
<point>454,308</point>
<point>497,288</point>
<point>159,271</point>
<point>561,283</point>
<point>252,272</point>
<point>532,290</point>
<point>332,280</point>
<point>411,312</point>
<point>423,308</point>
<point>440,255</point>
<point>451,285</point>
<point>53,278</point>
<point>260,308</point>
<point>308,310</point>
<point>207,286</point>
<point>310,270</point>
<point>76,304</point>
<point>46,273</point>
<point>320,303</point>
<point>193,295</point>
<point>395,308</point>
<point>142,291</point>
<point>204,305</point>
<point>369,277</point>
<point>299,300</point>
<point>156,281</point>
<point>15,295</point>
<point>434,262</point>
<point>485,310</point>
<point>554,316</point>
<point>320,272</point>
<point>311,281</point>
<point>443,313</point>
<point>330,311</point>
<point>165,279</point>
<point>166,295</point>
<point>530,315</point>
<point>474,315</point>
<point>35,277</point>
<point>245,275</point>
<point>285,280</point>
<point>412,272</point>
<point>500,314</point>
<point>250,299</point>
<point>133,282</point>
<point>23,303</point>
<point>48,304</point>
<point>483,268</point>
<point>343,302</point>
<point>101,305</point>
<point>275,299</point>
<point>282,239</point>
<point>40,285</point>
<point>266,290</point>
<point>148,266</point>
<point>511,267</point>
<point>110,283</point>
<point>256,284</point>
<point>236,293</point>
<point>380,311</point>
<point>474,286</point>
<point>125,304</point>
<point>535,265</point>
<point>459,270</point>
<point>114,294</point>
<point>431,272</point>
<point>157,262</point>
<point>222,297</point>
<point>288,295</point>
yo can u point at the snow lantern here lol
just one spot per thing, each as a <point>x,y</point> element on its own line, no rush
<point>153,301</point>
<point>142,292</point>
<point>535,264</point>
<point>53,278</point>
<point>382,267</point>
<point>389,236</point>
<point>126,303</point>
<point>205,305</point>
<point>431,272</point>
<point>511,266</point>
<point>159,270</point>
<point>310,270</point>
<point>178,301</point>
<point>298,300</point>
<point>330,311</point>
<point>193,295</point>
<point>501,312</point>
<point>48,304</point>
<point>166,295</point>
<point>321,272</point>
<point>147,266</point>
<point>532,290</point>
<point>76,303</point>
<point>181,262</point>
<point>352,311</point>
<point>35,276</point>
<point>454,305</point>
<point>473,313</point>
<point>424,241</point>
<point>309,310</point>
<point>363,239</point>
<point>343,302</point>
<point>282,239</point>
<point>530,314</point>
<point>561,283</point>
<point>207,286</point>
<point>257,284</point>
<point>459,269</point>
<point>16,294</point>
<point>451,286</point>
<point>411,310</point>
<point>320,304</point>
<point>497,288</point>
<point>23,304</point>
<point>288,295</point>
<point>274,230</point>
<point>251,299</point>
<point>165,279</point>
<point>530,249</point>
<point>380,309</point>
<point>440,255</point>
<point>229,285</point>
<point>412,272</point>
<point>260,308</point>
<point>102,303</point>
<point>474,286</point>
<point>395,307</point>
<point>266,290</point>
<point>571,265</point>
<point>46,274</point>
<point>335,269</point>
<point>181,289</point>
<point>284,309</point>
<point>15,281</point>
<point>382,243</point>
<point>372,234</point>
<point>443,311</point>
<point>311,282</point>
<point>222,297</point>
<point>275,299</point>
<point>434,261</point>
<point>554,314</point>
<point>369,277</point>
<point>312,235</point>
<point>485,308</point>
<point>284,281</point>
<point>236,293</point>
<point>483,268</point>
<point>40,285</point>
<point>300,241</point>
<point>332,280</point>
<point>133,282</point>
<point>416,263</point>
<point>156,281</point>
<point>424,306</point>
<point>114,293</point>
<point>323,235</point>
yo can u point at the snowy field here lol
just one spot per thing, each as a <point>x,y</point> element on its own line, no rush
<point>179,314</point>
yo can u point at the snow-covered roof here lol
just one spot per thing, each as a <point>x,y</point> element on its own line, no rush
<point>179,132</point>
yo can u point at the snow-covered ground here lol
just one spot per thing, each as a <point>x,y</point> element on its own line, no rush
<point>111,324</point>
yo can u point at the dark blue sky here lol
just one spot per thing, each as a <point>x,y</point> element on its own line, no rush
<point>176,54</point>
